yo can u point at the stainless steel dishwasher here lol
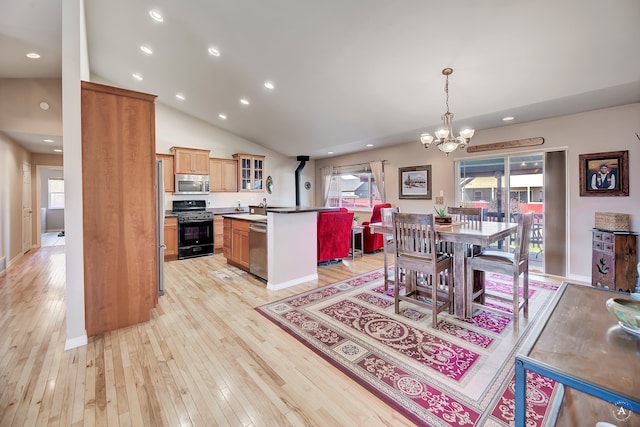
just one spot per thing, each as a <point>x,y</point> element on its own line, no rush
<point>258,249</point>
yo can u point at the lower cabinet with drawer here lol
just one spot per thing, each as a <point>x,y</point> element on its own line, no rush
<point>171,238</point>
<point>613,263</point>
<point>218,234</point>
<point>236,242</point>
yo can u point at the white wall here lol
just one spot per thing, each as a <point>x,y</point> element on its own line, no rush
<point>74,60</point>
<point>12,157</point>
<point>17,115</point>
<point>174,128</point>
<point>610,129</point>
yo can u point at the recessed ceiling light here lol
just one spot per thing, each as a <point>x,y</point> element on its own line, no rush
<point>44,106</point>
<point>146,50</point>
<point>180,96</point>
<point>57,150</point>
<point>156,15</point>
<point>369,145</point>
<point>213,51</point>
<point>508,118</point>
<point>48,140</point>
<point>33,55</point>
<point>269,85</point>
<point>222,116</point>
<point>137,76</point>
<point>330,152</point>
<point>244,101</point>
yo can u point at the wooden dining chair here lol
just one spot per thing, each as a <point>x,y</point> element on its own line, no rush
<point>513,264</point>
<point>469,217</point>
<point>387,218</point>
<point>494,217</point>
<point>424,272</point>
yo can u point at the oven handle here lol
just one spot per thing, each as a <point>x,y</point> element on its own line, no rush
<point>193,221</point>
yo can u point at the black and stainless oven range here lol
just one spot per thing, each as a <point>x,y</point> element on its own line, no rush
<point>195,228</point>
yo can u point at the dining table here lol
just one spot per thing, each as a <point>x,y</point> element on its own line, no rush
<point>482,234</point>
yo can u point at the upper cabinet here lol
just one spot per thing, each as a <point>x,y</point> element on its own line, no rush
<point>223,175</point>
<point>250,172</point>
<point>191,160</point>
<point>167,166</point>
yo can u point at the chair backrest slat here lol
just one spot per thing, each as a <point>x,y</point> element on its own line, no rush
<point>471,216</point>
<point>414,234</point>
<point>387,214</point>
<point>523,237</point>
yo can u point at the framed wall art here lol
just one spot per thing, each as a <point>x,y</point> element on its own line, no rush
<point>604,174</point>
<point>415,182</point>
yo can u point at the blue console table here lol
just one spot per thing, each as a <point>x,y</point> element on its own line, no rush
<point>581,346</point>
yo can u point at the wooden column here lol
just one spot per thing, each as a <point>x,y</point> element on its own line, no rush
<point>120,225</point>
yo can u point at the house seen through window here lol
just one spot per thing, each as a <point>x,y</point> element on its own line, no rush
<point>56,193</point>
<point>353,190</point>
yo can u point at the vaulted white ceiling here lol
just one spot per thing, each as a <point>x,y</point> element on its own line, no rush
<point>348,73</point>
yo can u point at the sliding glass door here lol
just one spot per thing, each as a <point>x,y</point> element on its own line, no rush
<point>505,187</point>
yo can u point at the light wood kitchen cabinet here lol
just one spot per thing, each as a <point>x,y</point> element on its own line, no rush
<point>223,175</point>
<point>191,160</point>
<point>171,238</point>
<point>250,172</point>
<point>237,241</point>
<point>169,178</point>
<point>119,207</point>
<point>218,234</point>
<point>226,239</point>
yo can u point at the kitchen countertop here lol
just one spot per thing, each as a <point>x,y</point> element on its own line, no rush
<point>299,209</point>
<point>247,217</point>
<point>215,211</point>
<point>243,213</point>
<point>229,210</point>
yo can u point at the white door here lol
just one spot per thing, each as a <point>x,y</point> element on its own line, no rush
<point>26,207</point>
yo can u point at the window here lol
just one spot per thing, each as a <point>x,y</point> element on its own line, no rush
<point>56,193</point>
<point>353,190</point>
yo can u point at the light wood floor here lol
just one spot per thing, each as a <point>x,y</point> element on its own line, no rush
<point>206,358</point>
<point>52,238</point>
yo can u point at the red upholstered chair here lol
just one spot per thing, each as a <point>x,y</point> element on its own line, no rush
<point>374,241</point>
<point>334,234</point>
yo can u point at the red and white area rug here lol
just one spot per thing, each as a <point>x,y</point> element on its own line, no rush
<point>460,374</point>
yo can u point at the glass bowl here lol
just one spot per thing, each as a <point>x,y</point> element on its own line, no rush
<point>627,311</point>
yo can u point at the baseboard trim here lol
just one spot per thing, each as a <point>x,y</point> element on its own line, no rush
<point>277,287</point>
<point>76,342</point>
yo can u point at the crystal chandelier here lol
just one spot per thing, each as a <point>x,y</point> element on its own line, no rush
<point>444,139</point>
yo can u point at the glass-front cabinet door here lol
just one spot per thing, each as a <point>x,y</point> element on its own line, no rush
<point>250,172</point>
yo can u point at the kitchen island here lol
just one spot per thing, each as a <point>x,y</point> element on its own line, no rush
<point>291,244</point>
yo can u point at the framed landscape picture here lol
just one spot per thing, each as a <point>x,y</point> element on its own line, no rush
<point>604,174</point>
<point>415,182</point>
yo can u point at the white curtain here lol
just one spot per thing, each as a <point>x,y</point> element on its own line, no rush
<point>326,172</point>
<point>377,170</point>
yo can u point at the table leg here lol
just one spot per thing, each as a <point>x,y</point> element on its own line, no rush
<point>385,249</point>
<point>459,290</point>
<point>353,245</point>
<point>521,394</point>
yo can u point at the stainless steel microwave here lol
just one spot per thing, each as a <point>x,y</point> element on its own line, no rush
<point>191,184</point>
